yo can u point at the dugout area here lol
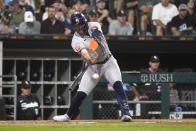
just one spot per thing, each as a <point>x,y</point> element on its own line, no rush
<point>53,61</point>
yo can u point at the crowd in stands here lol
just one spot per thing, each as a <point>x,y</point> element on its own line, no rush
<point>117,17</point>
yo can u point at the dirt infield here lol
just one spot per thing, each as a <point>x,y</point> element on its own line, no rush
<point>82,122</point>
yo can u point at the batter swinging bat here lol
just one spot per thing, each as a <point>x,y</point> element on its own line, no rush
<point>79,77</point>
<point>92,48</point>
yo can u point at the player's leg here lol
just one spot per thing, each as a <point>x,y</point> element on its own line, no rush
<point>75,103</point>
<point>85,87</point>
<point>113,75</point>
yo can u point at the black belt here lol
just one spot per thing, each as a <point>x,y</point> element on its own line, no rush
<point>105,60</point>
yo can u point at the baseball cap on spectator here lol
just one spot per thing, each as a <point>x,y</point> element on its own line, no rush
<point>13,2</point>
<point>99,1</point>
<point>121,13</point>
<point>154,58</point>
<point>182,7</point>
<point>26,85</point>
<point>28,16</point>
<point>7,14</point>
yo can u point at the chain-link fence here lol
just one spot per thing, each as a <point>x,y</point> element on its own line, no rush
<point>147,104</point>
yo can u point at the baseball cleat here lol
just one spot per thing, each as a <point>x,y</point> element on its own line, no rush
<point>61,118</point>
<point>126,118</point>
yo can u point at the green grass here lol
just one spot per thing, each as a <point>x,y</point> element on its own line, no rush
<point>101,127</point>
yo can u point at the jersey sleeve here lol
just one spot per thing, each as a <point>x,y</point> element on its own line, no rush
<point>77,44</point>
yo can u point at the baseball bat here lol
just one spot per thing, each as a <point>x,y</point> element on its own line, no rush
<point>92,53</point>
<point>78,77</point>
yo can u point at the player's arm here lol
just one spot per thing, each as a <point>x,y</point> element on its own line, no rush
<point>90,54</point>
<point>97,33</point>
<point>85,54</point>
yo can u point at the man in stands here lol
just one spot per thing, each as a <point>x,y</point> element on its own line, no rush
<point>181,23</point>
<point>51,25</point>
<point>163,13</point>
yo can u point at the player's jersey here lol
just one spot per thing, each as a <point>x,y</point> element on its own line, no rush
<point>83,42</point>
<point>28,107</point>
<point>151,89</point>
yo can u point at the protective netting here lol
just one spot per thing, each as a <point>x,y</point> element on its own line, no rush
<point>147,105</point>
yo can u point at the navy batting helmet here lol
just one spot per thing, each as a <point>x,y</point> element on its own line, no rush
<point>78,19</point>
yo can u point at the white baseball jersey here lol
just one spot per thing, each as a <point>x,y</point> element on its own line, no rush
<point>110,69</point>
<point>79,42</point>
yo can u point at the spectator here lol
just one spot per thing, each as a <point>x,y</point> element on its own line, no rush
<point>92,16</point>
<point>130,7</point>
<point>5,26</point>
<point>114,6</point>
<point>178,2</point>
<point>63,6</point>
<point>80,5</point>
<point>48,2</point>
<point>120,26</point>
<point>51,25</point>
<point>18,14</point>
<point>145,7</point>
<point>1,11</point>
<point>29,26</point>
<point>35,4</point>
<point>2,5</point>
<point>69,29</point>
<point>23,5</point>
<point>192,12</point>
<point>162,13</point>
<point>148,91</point>
<point>59,12</point>
<point>6,2</point>
<point>118,5</point>
<point>28,106</point>
<point>103,15</point>
<point>181,22</point>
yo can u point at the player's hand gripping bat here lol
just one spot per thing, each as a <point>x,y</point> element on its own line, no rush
<point>93,55</point>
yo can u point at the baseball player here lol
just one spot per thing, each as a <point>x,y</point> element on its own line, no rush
<point>28,106</point>
<point>104,64</point>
